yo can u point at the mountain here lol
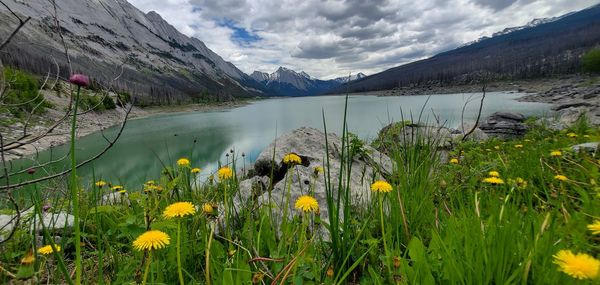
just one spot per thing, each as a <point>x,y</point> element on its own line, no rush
<point>346,79</point>
<point>541,48</point>
<point>287,82</point>
<point>159,64</point>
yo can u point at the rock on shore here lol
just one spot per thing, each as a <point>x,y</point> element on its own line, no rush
<point>309,144</point>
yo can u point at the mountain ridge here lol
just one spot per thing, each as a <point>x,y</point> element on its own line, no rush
<point>545,49</point>
<point>160,64</point>
<point>287,82</point>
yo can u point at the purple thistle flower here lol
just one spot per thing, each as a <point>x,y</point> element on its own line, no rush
<point>79,80</point>
<point>31,170</point>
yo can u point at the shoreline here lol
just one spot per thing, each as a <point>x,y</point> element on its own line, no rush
<point>570,96</point>
<point>92,122</point>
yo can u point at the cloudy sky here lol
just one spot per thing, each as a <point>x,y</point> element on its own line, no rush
<point>328,39</point>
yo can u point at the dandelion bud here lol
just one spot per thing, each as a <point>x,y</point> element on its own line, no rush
<point>257,277</point>
<point>79,80</point>
<point>330,272</point>
<point>396,262</point>
<point>207,208</point>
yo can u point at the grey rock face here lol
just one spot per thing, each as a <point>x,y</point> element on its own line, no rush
<point>504,125</point>
<point>115,198</point>
<point>590,147</point>
<point>309,144</point>
<point>477,134</point>
<point>52,221</point>
<point>415,133</point>
<point>103,34</point>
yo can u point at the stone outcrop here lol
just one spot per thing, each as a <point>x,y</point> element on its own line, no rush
<point>578,96</point>
<point>309,144</point>
<point>590,147</point>
<point>52,221</point>
<point>504,125</point>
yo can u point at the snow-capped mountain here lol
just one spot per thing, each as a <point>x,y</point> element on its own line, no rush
<point>287,82</point>
<point>345,79</point>
<point>260,76</point>
<point>103,35</point>
<point>533,23</point>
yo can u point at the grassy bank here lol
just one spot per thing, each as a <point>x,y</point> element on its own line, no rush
<point>498,212</point>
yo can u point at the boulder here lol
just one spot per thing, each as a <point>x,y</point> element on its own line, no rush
<point>52,221</point>
<point>477,135</point>
<point>115,198</point>
<point>590,147</point>
<point>504,125</point>
<point>309,144</point>
<point>400,134</point>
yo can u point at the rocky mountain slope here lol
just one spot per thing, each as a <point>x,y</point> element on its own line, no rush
<point>544,48</point>
<point>160,64</point>
<point>287,82</point>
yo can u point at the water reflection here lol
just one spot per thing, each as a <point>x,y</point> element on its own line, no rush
<point>149,143</point>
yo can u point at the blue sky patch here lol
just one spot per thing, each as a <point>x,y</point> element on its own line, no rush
<point>240,35</point>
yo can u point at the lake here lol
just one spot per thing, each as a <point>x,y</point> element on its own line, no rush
<point>148,143</point>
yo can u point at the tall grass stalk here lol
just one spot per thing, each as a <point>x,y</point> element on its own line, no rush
<point>75,193</point>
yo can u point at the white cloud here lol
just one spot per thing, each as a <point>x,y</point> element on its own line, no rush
<point>333,38</point>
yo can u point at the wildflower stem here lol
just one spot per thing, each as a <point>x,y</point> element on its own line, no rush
<point>385,248</point>
<point>74,193</point>
<point>147,267</point>
<point>207,254</point>
<point>179,252</point>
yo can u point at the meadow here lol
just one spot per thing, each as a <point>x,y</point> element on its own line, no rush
<point>521,211</point>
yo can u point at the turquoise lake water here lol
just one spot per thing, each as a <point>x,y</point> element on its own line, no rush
<point>205,137</point>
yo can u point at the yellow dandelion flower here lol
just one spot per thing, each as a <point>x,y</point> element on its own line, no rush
<point>179,209</point>
<point>207,208</point>
<point>307,204</point>
<point>292,158</point>
<point>150,182</point>
<point>555,153</point>
<point>47,249</point>
<point>518,146</point>
<point>122,191</point>
<point>493,180</point>
<point>561,177</point>
<point>196,170</point>
<point>183,162</point>
<point>117,188</point>
<point>594,227</point>
<point>453,161</point>
<point>318,169</point>
<point>29,258</point>
<point>225,173</point>
<point>527,140</point>
<point>580,266</point>
<point>100,183</point>
<point>381,187</point>
<point>572,135</point>
<point>494,173</point>
<point>152,239</point>
<point>521,183</point>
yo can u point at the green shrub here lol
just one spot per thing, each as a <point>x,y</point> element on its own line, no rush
<point>108,103</point>
<point>590,62</point>
<point>22,95</point>
<point>124,98</point>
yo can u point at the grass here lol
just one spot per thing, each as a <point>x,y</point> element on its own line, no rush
<point>440,223</point>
